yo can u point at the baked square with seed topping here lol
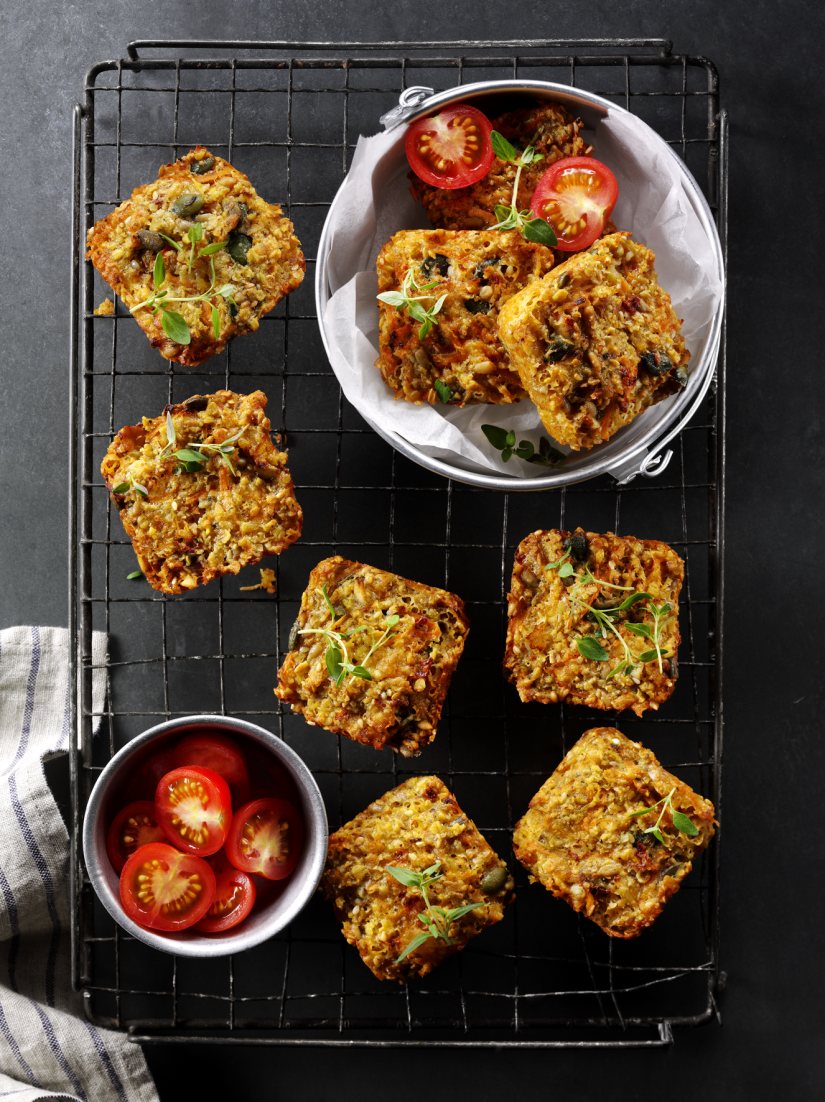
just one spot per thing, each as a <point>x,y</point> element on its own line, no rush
<point>588,838</point>
<point>413,827</point>
<point>575,630</point>
<point>189,526</point>
<point>548,127</point>
<point>403,638</point>
<point>596,341</point>
<point>252,258</point>
<point>462,352</point>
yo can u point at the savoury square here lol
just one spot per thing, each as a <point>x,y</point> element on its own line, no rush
<point>461,358</point>
<point>224,504</point>
<point>402,639</point>
<point>588,833</point>
<point>245,257</point>
<point>548,127</point>
<point>595,342</point>
<point>413,827</point>
<point>593,619</point>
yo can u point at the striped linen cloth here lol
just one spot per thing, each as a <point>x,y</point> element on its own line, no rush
<point>48,1050</point>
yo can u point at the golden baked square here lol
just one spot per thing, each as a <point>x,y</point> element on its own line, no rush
<point>372,654</point>
<point>593,619</point>
<point>460,359</point>
<point>596,341</point>
<point>548,127</point>
<point>202,234</point>
<point>224,503</point>
<point>413,828</point>
<point>612,833</point>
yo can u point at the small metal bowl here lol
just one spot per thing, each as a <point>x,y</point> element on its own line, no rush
<point>265,921</point>
<point>638,448</point>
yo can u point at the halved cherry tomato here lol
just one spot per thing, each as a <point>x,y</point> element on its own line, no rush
<point>234,898</point>
<point>135,825</point>
<point>142,784</point>
<point>164,889</point>
<point>265,837</point>
<point>194,809</point>
<point>220,754</point>
<point>451,149</point>
<point>576,195</point>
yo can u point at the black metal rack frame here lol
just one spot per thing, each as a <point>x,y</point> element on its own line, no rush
<point>289,115</point>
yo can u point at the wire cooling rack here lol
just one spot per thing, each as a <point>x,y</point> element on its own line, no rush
<point>289,115</point>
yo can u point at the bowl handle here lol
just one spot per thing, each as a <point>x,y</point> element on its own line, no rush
<point>409,100</point>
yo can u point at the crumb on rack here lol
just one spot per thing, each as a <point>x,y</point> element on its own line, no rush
<point>105,309</point>
<point>267,582</point>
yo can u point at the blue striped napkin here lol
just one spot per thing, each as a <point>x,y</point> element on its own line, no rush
<point>47,1048</point>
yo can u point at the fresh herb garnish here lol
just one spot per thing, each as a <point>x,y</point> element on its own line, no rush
<point>505,441</point>
<point>194,456</point>
<point>437,921</point>
<point>407,299</point>
<point>510,217</point>
<point>337,658</point>
<point>682,822</point>
<point>133,577</point>
<point>125,487</point>
<point>174,324</point>
<point>605,619</point>
<point>445,393</point>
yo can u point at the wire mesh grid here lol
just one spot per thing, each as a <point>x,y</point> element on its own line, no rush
<point>289,117</point>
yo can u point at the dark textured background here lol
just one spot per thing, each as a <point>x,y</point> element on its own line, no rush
<point>771,83</point>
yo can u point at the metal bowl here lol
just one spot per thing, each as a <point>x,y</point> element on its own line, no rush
<point>265,921</point>
<point>638,448</point>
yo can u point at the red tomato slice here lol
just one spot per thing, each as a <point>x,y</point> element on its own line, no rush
<point>576,195</point>
<point>265,837</point>
<point>220,754</point>
<point>194,809</point>
<point>451,149</point>
<point>164,889</point>
<point>234,899</point>
<point>135,825</point>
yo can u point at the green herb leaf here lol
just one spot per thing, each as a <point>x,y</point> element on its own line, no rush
<point>539,231</point>
<point>639,629</point>
<point>408,877</point>
<point>333,659</point>
<point>330,606</point>
<point>444,392</point>
<point>158,272</point>
<point>171,435</point>
<point>657,834</point>
<point>633,599</point>
<point>195,232</point>
<point>176,245</point>
<point>174,326</point>
<point>459,912</point>
<point>359,671</point>
<point>567,570</point>
<point>684,824</point>
<point>496,435</point>
<point>215,247</point>
<point>504,150</point>
<point>392,298</point>
<point>391,621</point>
<point>590,647</point>
<point>413,945</point>
<point>121,488</point>
<point>189,455</point>
<point>216,321</point>
<point>648,655</point>
<point>135,574</point>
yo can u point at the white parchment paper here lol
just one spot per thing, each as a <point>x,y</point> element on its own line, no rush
<point>375,202</point>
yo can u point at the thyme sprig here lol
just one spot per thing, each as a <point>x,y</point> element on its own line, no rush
<point>505,441</point>
<point>437,921</point>
<point>195,456</point>
<point>410,300</point>
<point>683,823</point>
<point>510,217</point>
<point>589,646</point>
<point>174,324</point>
<point>337,657</point>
